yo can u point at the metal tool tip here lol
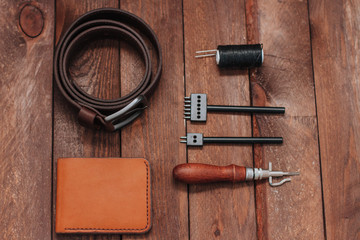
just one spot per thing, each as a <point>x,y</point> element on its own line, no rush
<point>183,137</point>
<point>205,55</point>
<point>202,51</point>
<point>183,141</point>
<point>292,173</point>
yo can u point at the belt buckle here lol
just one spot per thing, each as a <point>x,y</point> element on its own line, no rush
<point>124,111</point>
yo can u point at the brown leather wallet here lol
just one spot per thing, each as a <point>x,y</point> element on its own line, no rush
<point>103,195</point>
<point>105,23</point>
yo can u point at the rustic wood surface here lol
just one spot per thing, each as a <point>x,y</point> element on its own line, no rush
<point>286,79</point>
<point>207,173</point>
<point>335,34</point>
<point>311,68</point>
<point>26,119</point>
<point>220,210</point>
<point>155,135</point>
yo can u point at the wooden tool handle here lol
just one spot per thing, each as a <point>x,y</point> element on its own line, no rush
<point>205,173</point>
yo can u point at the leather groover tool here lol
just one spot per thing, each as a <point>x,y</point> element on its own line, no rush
<point>108,23</point>
<point>206,173</point>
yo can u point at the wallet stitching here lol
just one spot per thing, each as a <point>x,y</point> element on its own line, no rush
<point>124,229</point>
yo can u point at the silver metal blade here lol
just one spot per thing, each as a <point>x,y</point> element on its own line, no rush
<point>291,173</point>
<point>204,51</point>
<point>205,55</point>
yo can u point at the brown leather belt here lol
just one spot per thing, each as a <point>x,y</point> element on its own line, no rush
<point>107,23</point>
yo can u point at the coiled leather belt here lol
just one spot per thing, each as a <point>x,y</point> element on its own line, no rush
<point>107,23</point>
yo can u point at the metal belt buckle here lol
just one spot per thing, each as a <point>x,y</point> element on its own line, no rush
<point>131,107</point>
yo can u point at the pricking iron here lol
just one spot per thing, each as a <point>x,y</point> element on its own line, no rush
<point>196,108</point>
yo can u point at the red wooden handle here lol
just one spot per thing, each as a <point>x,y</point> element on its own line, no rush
<point>206,173</point>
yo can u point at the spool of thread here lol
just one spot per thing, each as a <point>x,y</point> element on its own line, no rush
<point>239,56</point>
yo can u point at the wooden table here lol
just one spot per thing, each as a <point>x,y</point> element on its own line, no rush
<point>311,67</point>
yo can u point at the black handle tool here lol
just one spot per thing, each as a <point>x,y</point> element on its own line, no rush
<point>197,139</point>
<point>196,108</point>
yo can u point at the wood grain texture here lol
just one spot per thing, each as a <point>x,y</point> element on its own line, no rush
<point>31,20</point>
<point>206,173</point>
<point>222,210</point>
<point>96,69</point>
<point>213,211</point>
<point>25,136</point>
<point>335,36</point>
<point>292,211</point>
<point>155,134</point>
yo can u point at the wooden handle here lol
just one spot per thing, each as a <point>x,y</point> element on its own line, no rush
<point>206,173</point>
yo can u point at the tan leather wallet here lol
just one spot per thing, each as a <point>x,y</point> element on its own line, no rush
<point>103,195</point>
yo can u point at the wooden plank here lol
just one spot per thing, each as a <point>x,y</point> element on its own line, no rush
<point>26,103</point>
<point>335,33</point>
<point>155,134</point>
<point>294,210</point>
<point>224,211</point>
<point>96,69</point>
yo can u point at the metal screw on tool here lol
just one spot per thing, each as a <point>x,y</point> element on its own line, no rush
<point>197,139</point>
<point>196,108</point>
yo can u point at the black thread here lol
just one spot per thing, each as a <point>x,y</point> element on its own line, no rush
<point>240,56</point>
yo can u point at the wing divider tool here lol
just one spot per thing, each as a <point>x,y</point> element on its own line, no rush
<point>196,108</point>
<point>205,173</point>
<point>198,140</point>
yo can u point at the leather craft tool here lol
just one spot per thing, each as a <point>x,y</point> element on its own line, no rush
<point>197,139</point>
<point>206,173</point>
<point>108,23</point>
<point>240,56</point>
<point>196,108</point>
